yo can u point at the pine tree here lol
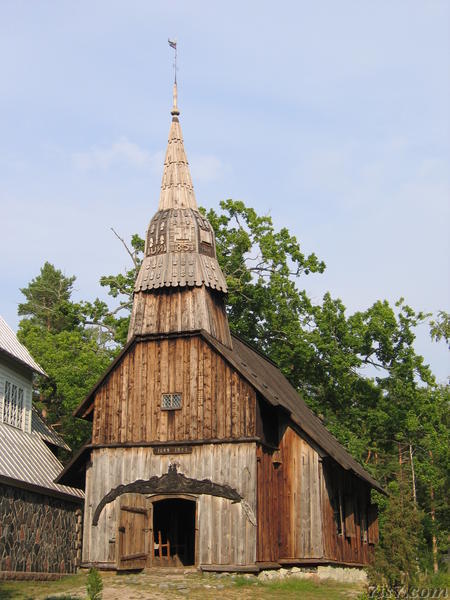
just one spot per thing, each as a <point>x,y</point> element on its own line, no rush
<point>395,564</point>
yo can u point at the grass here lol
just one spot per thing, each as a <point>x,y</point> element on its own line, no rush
<point>37,590</point>
<point>238,588</point>
<point>438,580</point>
<point>296,588</point>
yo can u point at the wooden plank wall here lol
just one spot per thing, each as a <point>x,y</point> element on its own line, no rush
<point>217,403</point>
<point>176,310</point>
<point>269,501</point>
<point>289,506</point>
<point>352,545</point>
<point>301,520</point>
<point>225,534</point>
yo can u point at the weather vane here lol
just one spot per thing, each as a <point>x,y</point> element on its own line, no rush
<point>173,44</point>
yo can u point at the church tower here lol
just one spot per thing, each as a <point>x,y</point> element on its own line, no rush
<point>180,287</point>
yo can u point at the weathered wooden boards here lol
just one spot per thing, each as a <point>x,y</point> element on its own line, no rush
<point>217,403</point>
<point>289,501</point>
<point>270,504</point>
<point>297,500</point>
<point>346,499</point>
<point>180,309</point>
<point>133,532</point>
<point>225,535</point>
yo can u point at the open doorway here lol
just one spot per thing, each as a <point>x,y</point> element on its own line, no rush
<point>174,532</point>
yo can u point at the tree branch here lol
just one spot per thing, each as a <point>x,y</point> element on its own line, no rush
<point>98,324</point>
<point>132,255</point>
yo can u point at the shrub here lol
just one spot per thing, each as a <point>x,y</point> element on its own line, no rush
<point>94,585</point>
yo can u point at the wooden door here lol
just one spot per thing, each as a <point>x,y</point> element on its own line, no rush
<point>134,532</point>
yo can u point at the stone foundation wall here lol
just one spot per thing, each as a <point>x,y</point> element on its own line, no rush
<point>38,533</point>
<point>319,573</point>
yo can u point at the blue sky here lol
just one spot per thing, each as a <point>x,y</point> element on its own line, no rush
<point>332,117</point>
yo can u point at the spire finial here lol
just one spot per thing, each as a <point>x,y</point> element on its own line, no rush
<point>175,111</point>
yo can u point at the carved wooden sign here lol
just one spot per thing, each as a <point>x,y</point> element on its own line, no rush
<point>172,450</point>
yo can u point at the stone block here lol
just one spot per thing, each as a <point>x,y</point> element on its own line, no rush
<point>342,574</point>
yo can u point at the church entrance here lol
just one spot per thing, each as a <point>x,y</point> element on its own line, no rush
<point>173,532</point>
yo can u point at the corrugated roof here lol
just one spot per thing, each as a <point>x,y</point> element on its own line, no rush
<point>11,345</point>
<point>26,458</point>
<point>46,432</point>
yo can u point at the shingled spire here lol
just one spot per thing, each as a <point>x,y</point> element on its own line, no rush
<point>177,190</point>
<point>180,286</point>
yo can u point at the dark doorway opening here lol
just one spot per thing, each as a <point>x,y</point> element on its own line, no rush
<point>174,532</point>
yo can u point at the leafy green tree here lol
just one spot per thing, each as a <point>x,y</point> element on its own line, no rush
<point>440,327</point>
<point>432,467</point>
<point>321,349</point>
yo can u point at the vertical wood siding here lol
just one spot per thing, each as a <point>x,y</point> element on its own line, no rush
<point>225,535</point>
<point>301,523</point>
<point>270,506</point>
<point>289,501</point>
<point>359,520</point>
<point>178,310</point>
<point>217,403</point>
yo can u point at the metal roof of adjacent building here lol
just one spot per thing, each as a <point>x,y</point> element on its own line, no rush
<point>11,345</point>
<point>46,432</point>
<point>26,459</point>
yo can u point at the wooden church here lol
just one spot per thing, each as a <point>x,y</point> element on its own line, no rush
<point>202,453</point>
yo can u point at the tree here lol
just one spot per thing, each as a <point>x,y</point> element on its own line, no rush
<point>48,302</point>
<point>113,322</point>
<point>396,556</point>
<point>71,354</point>
<point>440,328</point>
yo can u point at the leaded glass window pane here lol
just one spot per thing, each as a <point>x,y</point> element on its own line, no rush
<point>171,401</point>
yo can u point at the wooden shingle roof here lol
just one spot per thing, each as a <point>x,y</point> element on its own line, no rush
<point>177,190</point>
<point>180,248</point>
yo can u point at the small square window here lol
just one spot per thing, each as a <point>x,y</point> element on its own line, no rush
<point>171,401</point>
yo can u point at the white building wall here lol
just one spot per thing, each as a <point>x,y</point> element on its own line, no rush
<point>7,373</point>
